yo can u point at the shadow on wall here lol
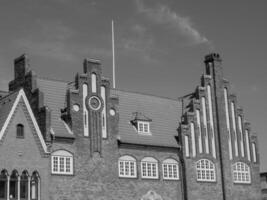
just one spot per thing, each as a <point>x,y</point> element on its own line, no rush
<point>151,195</point>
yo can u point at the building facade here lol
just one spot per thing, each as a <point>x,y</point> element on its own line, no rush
<point>84,140</point>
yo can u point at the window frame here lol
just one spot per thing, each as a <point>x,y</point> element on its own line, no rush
<point>242,174</point>
<point>210,168</point>
<point>60,155</point>
<point>149,165</point>
<point>143,124</point>
<point>127,160</point>
<point>20,131</point>
<point>170,163</point>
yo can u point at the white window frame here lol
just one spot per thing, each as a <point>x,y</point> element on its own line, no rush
<point>205,171</point>
<point>170,169</point>
<point>141,127</point>
<point>149,168</point>
<point>57,157</point>
<point>241,173</point>
<point>127,167</point>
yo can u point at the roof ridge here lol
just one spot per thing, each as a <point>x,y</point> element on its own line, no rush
<point>145,94</point>
<point>53,79</point>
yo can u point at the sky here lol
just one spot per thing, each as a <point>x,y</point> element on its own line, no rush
<point>159,45</point>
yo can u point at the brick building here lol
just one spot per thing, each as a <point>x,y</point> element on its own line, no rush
<point>84,140</point>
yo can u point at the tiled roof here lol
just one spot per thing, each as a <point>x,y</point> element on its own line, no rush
<point>164,113</point>
<point>54,97</point>
<point>6,104</point>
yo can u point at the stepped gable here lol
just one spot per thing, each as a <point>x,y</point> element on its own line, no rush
<point>54,98</point>
<point>163,114</point>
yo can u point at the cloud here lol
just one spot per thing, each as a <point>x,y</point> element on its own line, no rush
<point>163,15</point>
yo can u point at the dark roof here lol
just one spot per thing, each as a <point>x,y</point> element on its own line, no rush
<point>55,98</point>
<point>6,104</point>
<point>164,114</point>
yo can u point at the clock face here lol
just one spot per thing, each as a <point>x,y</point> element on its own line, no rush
<point>94,103</point>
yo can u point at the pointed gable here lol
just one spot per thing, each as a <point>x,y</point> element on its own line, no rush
<point>9,104</point>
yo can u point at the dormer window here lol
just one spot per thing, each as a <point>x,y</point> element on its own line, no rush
<point>141,123</point>
<point>143,127</point>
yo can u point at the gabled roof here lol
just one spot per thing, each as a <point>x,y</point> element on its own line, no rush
<point>55,98</point>
<point>7,109</point>
<point>164,114</point>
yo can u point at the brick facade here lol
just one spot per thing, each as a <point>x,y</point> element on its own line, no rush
<point>74,116</point>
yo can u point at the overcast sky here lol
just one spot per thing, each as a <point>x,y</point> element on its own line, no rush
<point>160,45</point>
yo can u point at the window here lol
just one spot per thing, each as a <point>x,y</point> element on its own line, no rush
<point>24,185</point>
<point>205,171</point>
<point>247,144</point>
<point>13,185</point>
<point>143,127</point>
<point>3,184</point>
<point>127,167</point>
<point>170,169</point>
<point>149,168</point>
<point>20,131</point>
<point>35,186</point>
<point>62,162</point>
<point>241,173</point>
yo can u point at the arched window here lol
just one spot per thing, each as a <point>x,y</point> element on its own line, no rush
<point>24,185</point>
<point>127,167</point>
<point>149,168</point>
<point>62,162</point>
<point>13,185</point>
<point>35,186</point>
<point>20,131</point>
<point>241,173</point>
<point>205,170</point>
<point>3,184</point>
<point>170,169</point>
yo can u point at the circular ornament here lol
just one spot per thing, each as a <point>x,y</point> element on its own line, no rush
<point>76,107</point>
<point>112,112</point>
<point>94,103</point>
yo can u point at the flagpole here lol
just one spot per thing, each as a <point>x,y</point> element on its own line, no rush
<point>113,55</point>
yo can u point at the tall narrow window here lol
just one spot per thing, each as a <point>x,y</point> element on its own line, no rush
<point>228,124</point>
<point>104,113</point>
<point>93,79</point>
<point>200,131</point>
<point>13,185</point>
<point>241,135</point>
<point>254,152</point>
<point>203,101</point>
<point>85,112</point>
<point>20,131</point>
<point>192,127</point>
<point>247,144</point>
<point>127,167</point>
<point>3,184</point>
<point>234,127</point>
<point>35,186</point>
<point>186,146</point>
<point>211,122</point>
<point>24,185</point>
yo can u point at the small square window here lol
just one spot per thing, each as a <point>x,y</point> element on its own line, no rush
<point>143,127</point>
